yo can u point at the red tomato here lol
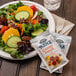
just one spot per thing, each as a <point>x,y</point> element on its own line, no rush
<point>33,7</point>
<point>4,28</point>
<point>54,62</point>
<point>34,21</point>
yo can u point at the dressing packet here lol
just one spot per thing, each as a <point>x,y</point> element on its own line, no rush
<point>64,43</point>
<point>49,51</point>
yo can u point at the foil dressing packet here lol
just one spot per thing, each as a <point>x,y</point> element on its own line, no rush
<point>64,43</point>
<point>49,51</point>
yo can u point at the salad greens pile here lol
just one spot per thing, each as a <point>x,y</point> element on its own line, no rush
<point>29,28</point>
<point>18,25</point>
<point>13,7</point>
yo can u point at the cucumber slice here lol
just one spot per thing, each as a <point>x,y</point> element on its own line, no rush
<point>37,32</point>
<point>12,41</point>
<point>9,50</point>
<point>22,14</point>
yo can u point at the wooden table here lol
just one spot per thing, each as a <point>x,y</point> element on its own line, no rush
<point>31,67</point>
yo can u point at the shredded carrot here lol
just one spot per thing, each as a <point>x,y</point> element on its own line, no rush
<point>7,18</point>
<point>34,21</point>
<point>22,32</point>
<point>13,18</point>
<point>20,27</point>
<point>12,13</point>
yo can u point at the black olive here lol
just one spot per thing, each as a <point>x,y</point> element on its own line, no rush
<point>44,21</point>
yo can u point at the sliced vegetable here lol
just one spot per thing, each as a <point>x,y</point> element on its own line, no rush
<point>9,50</point>
<point>35,15</point>
<point>14,52</point>
<point>38,32</point>
<point>26,8</point>
<point>3,29</point>
<point>12,41</point>
<point>19,56</point>
<point>10,32</point>
<point>33,7</point>
<point>22,14</point>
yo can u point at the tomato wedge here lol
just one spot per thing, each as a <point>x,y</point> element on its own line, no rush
<point>33,7</point>
<point>4,28</point>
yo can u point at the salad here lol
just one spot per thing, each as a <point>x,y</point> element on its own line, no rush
<point>18,25</point>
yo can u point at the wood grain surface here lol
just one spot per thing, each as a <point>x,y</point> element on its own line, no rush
<point>31,67</point>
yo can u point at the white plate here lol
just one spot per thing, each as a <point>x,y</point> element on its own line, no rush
<point>51,26</point>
